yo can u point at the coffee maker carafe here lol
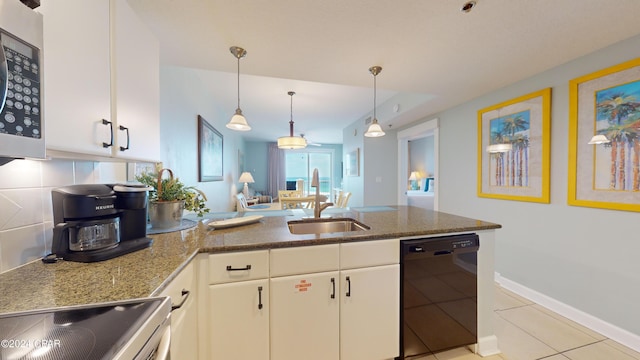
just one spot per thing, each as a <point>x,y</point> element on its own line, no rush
<point>96,222</point>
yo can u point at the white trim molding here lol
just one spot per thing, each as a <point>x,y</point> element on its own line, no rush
<point>487,346</point>
<point>598,325</point>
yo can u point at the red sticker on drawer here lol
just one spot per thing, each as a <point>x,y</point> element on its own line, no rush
<point>302,286</point>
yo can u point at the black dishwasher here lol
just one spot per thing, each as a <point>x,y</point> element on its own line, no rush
<point>438,294</point>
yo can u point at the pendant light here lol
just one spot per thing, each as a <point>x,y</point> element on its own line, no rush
<point>375,130</point>
<point>599,140</point>
<point>291,142</point>
<point>238,122</point>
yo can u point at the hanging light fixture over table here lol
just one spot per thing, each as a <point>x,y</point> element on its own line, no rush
<point>375,130</point>
<point>238,121</point>
<point>291,142</point>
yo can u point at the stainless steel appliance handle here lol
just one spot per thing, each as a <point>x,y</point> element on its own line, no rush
<point>4,77</point>
<point>163,352</point>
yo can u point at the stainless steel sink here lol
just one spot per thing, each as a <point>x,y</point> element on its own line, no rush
<point>321,226</point>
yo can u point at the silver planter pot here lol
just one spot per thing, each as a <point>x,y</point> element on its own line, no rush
<point>165,214</point>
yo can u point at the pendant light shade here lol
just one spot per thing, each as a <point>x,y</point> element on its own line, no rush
<point>374,130</point>
<point>238,121</point>
<point>291,142</point>
<point>499,148</point>
<point>599,140</point>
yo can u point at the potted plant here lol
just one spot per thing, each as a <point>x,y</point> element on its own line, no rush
<point>169,198</point>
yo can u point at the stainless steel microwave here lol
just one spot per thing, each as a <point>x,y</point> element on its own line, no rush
<point>21,90</point>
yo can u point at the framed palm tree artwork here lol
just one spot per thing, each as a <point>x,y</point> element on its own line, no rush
<point>513,149</point>
<point>607,102</point>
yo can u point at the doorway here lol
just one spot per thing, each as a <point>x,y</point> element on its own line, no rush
<point>424,130</point>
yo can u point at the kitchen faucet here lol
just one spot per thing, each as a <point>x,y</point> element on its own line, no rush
<point>317,209</point>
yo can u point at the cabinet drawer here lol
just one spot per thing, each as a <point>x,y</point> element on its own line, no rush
<point>240,266</point>
<point>369,253</point>
<point>303,260</point>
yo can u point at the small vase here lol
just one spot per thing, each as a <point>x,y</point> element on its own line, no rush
<point>165,214</point>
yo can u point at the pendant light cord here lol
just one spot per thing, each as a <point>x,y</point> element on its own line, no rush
<point>374,97</point>
<point>291,121</point>
<point>238,83</point>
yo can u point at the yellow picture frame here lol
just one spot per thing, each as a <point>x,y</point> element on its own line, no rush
<point>514,149</point>
<point>605,102</point>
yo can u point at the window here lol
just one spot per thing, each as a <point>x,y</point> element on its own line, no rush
<point>299,167</point>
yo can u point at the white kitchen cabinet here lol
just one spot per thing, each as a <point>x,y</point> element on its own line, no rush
<point>337,301</point>
<point>370,300</point>
<point>239,318</point>
<point>238,311</point>
<point>184,314</point>
<point>137,86</point>
<point>305,317</point>
<point>101,69</point>
<point>370,313</point>
<point>305,305</point>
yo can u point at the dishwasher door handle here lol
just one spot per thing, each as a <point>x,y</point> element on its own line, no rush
<point>442,252</point>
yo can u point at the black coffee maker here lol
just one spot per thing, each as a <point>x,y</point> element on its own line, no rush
<point>96,222</point>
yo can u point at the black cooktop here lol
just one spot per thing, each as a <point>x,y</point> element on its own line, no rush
<point>81,332</point>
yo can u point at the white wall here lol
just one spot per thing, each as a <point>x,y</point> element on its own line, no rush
<point>585,258</point>
<point>184,94</point>
<point>353,139</point>
<point>377,182</point>
<point>381,169</point>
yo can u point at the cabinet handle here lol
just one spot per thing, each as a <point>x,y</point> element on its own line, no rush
<point>259,297</point>
<point>230,268</point>
<point>348,286</point>
<point>105,122</point>
<point>185,296</point>
<point>127,130</point>
<point>333,285</point>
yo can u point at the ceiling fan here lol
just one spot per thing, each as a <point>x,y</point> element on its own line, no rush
<point>309,142</point>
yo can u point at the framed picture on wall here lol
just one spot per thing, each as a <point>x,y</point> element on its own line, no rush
<point>605,174</point>
<point>210,143</point>
<point>352,162</point>
<point>513,149</point>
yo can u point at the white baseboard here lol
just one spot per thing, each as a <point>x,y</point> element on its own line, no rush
<point>600,326</point>
<point>486,346</point>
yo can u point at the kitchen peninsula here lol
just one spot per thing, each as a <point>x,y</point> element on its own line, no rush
<point>149,271</point>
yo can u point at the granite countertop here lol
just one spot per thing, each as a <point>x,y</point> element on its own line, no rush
<point>146,272</point>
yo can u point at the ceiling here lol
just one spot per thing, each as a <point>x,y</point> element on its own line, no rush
<point>433,55</point>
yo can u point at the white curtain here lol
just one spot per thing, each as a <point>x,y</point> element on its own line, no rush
<point>276,179</point>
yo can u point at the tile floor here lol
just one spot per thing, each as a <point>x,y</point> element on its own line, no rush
<point>527,331</point>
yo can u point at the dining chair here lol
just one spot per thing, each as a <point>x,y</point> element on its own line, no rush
<point>343,199</point>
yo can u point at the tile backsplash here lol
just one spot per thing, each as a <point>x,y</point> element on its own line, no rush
<point>26,215</point>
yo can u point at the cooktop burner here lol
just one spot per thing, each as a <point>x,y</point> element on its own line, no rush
<point>83,332</point>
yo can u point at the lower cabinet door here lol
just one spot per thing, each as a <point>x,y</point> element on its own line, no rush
<point>305,317</point>
<point>184,331</point>
<point>370,313</point>
<point>239,320</point>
